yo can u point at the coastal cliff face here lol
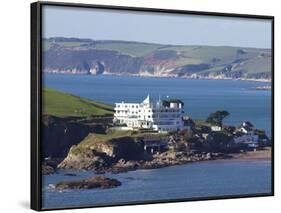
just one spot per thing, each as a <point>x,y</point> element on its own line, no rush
<point>86,56</point>
<point>111,153</point>
<point>94,153</point>
<point>89,61</point>
<point>59,134</point>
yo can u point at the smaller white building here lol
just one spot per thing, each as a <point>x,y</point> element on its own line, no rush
<point>246,127</point>
<point>216,128</point>
<point>246,135</point>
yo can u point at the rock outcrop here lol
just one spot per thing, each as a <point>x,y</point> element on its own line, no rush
<point>94,154</point>
<point>88,183</point>
<point>47,170</point>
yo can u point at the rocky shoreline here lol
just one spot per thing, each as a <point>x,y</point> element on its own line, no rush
<point>218,77</point>
<point>164,159</point>
<point>148,75</point>
<point>159,160</point>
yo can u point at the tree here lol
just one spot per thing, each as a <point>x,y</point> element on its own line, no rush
<point>217,117</point>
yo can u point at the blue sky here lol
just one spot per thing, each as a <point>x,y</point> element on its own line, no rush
<point>160,28</point>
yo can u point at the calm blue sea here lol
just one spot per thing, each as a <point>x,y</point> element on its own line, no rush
<point>202,179</point>
<point>201,97</point>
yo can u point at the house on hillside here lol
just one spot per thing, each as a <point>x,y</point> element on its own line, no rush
<point>246,127</point>
<point>248,135</point>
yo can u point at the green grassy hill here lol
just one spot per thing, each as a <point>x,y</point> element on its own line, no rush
<point>132,49</point>
<point>62,104</point>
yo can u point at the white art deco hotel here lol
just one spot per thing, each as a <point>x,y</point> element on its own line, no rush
<point>163,116</point>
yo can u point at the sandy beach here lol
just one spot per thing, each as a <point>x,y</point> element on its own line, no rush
<point>264,154</point>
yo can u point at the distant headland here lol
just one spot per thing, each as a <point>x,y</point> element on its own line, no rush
<point>126,58</point>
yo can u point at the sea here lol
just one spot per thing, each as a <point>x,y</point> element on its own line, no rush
<point>207,179</point>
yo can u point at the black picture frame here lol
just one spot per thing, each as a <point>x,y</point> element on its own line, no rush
<point>36,96</point>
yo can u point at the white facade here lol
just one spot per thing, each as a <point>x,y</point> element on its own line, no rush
<point>149,115</point>
<point>216,128</point>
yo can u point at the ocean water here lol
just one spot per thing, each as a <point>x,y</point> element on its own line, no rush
<point>196,180</point>
<point>201,97</point>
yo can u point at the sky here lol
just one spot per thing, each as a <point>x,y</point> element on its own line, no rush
<point>175,29</point>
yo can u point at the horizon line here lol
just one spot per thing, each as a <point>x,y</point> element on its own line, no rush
<point>155,43</point>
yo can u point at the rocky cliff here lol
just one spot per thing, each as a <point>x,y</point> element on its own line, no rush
<point>59,134</point>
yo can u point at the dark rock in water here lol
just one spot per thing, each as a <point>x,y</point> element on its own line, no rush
<point>89,183</point>
<point>46,169</point>
<point>129,178</point>
<point>99,172</point>
<point>69,174</point>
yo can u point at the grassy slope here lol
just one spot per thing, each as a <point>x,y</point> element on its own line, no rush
<point>62,104</point>
<point>197,54</point>
<point>204,54</point>
<point>132,49</point>
<point>47,44</point>
<point>95,140</point>
<point>94,137</point>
